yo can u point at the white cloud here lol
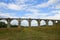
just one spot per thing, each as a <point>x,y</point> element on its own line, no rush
<point>57,6</point>
<point>13,7</point>
<point>4,15</point>
<point>20,1</point>
<point>7,15</point>
<point>20,4</point>
<point>56,16</point>
<point>3,5</point>
<point>47,4</point>
<point>35,13</point>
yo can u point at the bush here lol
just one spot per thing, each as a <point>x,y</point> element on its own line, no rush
<point>3,25</point>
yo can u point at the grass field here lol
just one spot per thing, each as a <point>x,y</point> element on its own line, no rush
<point>32,33</point>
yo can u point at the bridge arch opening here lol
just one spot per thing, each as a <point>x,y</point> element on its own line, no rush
<point>34,23</point>
<point>3,23</point>
<point>50,23</point>
<point>24,23</point>
<point>56,21</point>
<point>42,23</point>
<point>14,23</point>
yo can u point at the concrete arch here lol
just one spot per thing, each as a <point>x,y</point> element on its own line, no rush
<point>42,23</point>
<point>34,23</point>
<point>4,21</point>
<point>50,23</point>
<point>14,22</point>
<point>39,22</point>
<point>24,23</point>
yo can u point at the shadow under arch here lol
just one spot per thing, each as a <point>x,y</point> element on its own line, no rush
<point>34,23</point>
<point>14,23</point>
<point>24,23</point>
<point>42,23</point>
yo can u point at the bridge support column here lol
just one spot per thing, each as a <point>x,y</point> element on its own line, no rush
<point>46,22</point>
<point>58,22</point>
<point>54,22</point>
<point>8,21</point>
<point>19,23</point>
<point>29,22</point>
<point>38,22</point>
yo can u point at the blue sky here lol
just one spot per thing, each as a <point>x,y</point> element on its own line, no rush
<point>46,9</point>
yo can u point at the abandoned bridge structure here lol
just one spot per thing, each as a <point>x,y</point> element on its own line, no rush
<point>29,21</point>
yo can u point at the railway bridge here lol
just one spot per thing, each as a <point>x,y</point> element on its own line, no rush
<point>29,21</point>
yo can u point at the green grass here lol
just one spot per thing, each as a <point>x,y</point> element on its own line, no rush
<point>33,33</point>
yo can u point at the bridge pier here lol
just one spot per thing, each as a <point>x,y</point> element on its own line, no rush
<point>54,22</point>
<point>46,21</point>
<point>8,23</point>
<point>38,22</point>
<point>29,22</point>
<point>58,22</point>
<point>19,23</point>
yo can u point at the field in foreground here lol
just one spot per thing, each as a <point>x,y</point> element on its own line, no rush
<point>33,33</point>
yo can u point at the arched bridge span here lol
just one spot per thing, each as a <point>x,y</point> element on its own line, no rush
<point>29,21</point>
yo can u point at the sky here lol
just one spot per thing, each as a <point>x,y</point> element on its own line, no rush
<point>41,9</point>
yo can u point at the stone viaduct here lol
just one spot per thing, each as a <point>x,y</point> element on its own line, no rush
<point>29,21</point>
